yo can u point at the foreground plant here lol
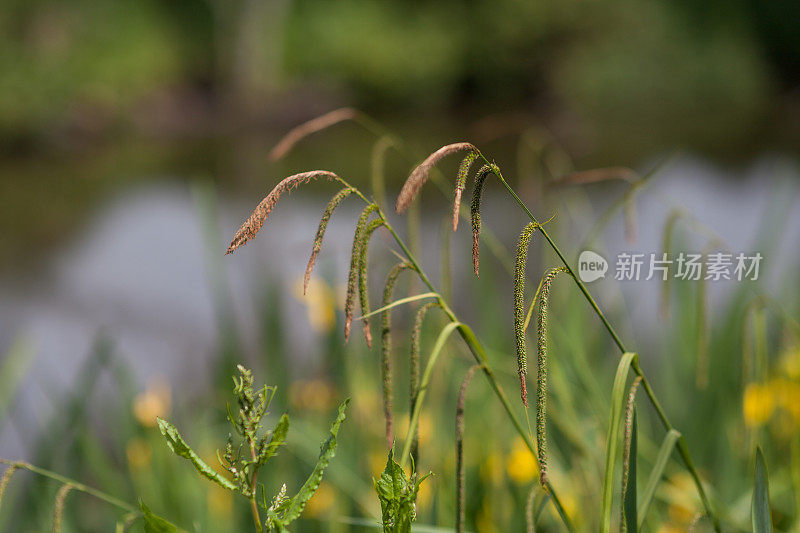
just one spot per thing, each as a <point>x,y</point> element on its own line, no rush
<point>373,218</point>
<point>244,459</point>
<point>398,495</point>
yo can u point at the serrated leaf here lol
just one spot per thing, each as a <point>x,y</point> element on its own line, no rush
<point>762,518</point>
<point>398,495</point>
<point>278,437</point>
<point>179,447</point>
<point>154,523</point>
<point>294,506</point>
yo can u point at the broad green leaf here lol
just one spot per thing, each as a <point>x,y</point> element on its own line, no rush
<point>179,447</point>
<point>398,496</point>
<point>658,472</point>
<point>762,518</point>
<point>629,497</point>
<point>278,437</point>
<point>154,523</point>
<point>295,505</point>
<point>612,439</point>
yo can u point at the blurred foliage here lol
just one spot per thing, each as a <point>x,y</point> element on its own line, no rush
<point>686,67</point>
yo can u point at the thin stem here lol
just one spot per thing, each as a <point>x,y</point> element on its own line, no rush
<point>683,450</point>
<point>253,488</point>
<point>76,485</point>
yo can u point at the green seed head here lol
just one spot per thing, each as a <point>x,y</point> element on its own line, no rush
<point>355,259</point>
<point>461,183</point>
<point>386,349</point>
<point>519,311</point>
<point>541,381</point>
<point>323,225</point>
<point>363,287</point>
<point>475,209</point>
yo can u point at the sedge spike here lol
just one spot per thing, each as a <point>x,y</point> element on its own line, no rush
<point>386,350</point>
<point>363,286</point>
<point>626,450</point>
<point>475,211</point>
<point>413,371</point>
<point>352,277</point>
<point>541,381</point>
<point>323,225</point>
<point>460,467</point>
<point>58,511</point>
<point>5,480</point>
<point>461,184</point>
<point>255,222</point>
<point>420,174</point>
<point>519,309</point>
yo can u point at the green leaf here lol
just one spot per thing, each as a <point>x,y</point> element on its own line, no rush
<point>154,523</point>
<point>179,447</point>
<point>762,518</point>
<point>294,506</point>
<point>629,497</point>
<point>278,437</point>
<point>664,452</point>
<point>398,496</point>
<point>612,439</point>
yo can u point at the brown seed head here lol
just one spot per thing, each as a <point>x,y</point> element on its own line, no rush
<point>420,174</point>
<point>253,224</point>
<point>305,129</point>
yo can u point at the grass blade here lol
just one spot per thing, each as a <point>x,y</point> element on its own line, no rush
<point>612,439</point>
<point>400,302</point>
<point>762,519</point>
<point>658,472</point>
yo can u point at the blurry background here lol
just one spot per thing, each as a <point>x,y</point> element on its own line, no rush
<point>134,142</point>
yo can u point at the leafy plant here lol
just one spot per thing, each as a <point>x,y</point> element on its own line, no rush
<point>398,495</point>
<point>244,459</point>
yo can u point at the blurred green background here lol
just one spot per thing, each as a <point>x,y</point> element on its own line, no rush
<point>135,137</point>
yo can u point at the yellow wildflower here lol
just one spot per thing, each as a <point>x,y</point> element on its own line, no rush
<point>521,464</point>
<point>790,363</point>
<point>139,453</point>
<point>322,500</point>
<point>219,500</point>
<point>313,394</point>
<point>320,303</point>
<point>156,400</point>
<point>492,468</point>
<point>758,404</point>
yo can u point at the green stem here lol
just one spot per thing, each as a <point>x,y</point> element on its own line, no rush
<point>683,449</point>
<point>76,485</point>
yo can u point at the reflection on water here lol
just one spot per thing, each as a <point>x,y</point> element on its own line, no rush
<point>146,273</point>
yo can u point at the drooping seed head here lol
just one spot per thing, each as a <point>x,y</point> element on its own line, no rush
<point>461,183</point>
<point>323,225</point>
<point>6,479</point>
<point>519,311</point>
<point>253,224</point>
<point>541,381</point>
<point>355,259</point>
<point>420,174</point>
<point>58,508</point>
<point>460,468</point>
<point>626,452</point>
<point>475,210</point>
<point>305,129</point>
<point>363,287</point>
<point>386,349</point>
<point>413,372</point>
